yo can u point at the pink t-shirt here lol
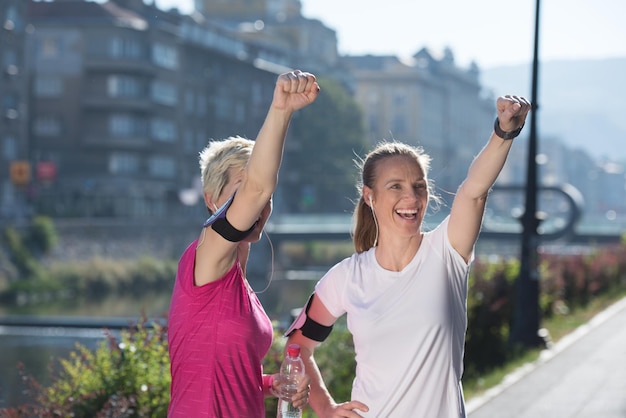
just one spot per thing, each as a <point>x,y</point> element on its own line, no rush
<point>218,335</point>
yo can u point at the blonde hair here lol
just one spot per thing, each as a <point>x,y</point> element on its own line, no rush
<point>365,229</point>
<point>218,157</point>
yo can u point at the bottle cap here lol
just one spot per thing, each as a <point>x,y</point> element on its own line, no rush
<point>293,350</point>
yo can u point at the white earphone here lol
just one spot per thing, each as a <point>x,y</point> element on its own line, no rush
<point>375,220</point>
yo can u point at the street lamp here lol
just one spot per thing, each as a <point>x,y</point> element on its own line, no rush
<point>525,325</point>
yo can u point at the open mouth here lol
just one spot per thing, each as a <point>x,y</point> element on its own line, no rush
<point>408,214</point>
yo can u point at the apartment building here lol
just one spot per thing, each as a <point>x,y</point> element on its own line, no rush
<point>122,95</point>
<point>125,95</point>
<point>309,43</point>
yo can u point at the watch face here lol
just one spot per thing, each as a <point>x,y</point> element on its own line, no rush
<point>219,213</point>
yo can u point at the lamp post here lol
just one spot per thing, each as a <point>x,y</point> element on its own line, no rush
<point>525,325</point>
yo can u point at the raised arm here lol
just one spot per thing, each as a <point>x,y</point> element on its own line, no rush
<point>468,207</point>
<point>293,91</point>
<point>255,185</point>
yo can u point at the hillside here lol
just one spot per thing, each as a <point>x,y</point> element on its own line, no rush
<point>579,101</point>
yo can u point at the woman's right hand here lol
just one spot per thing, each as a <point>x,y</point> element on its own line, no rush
<point>295,90</point>
<point>347,409</point>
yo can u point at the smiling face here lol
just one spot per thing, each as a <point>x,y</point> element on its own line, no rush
<point>399,196</point>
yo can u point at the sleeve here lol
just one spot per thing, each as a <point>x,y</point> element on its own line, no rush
<point>327,291</point>
<point>331,289</point>
<point>457,270</point>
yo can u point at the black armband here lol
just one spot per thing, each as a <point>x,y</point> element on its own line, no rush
<point>220,224</point>
<point>314,330</point>
<point>229,232</point>
<point>309,327</point>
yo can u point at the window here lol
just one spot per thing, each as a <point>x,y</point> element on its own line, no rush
<point>121,125</point>
<point>9,148</point>
<point>49,48</point>
<point>47,126</point>
<point>123,86</point>
<point>9,101</point>
<point>13,20</point>
<point>123,163</point>
<point>124,48</point>
<point>48,86</point>
<point>165,56</point>
<point>164,93</point>
<point>189,97</point>
<point>124,125</point>
<point>163,130</point>
<point>159,166</point>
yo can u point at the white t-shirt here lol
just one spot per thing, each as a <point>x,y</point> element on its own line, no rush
<point>408,328</point>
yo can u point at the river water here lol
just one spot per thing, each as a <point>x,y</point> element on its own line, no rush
<point>37,348</point>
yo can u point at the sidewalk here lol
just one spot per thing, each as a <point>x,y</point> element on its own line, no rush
<point>582,376</point>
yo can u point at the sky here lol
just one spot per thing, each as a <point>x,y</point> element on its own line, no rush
<point>491,33</point>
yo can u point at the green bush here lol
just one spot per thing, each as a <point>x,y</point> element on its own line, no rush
<point>489,309</point>
<point>568,282</point>
<point>129,377</point>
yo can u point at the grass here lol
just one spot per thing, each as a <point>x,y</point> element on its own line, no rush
<point>558,326</point>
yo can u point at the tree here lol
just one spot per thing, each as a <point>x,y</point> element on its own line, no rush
<point>319,174</point>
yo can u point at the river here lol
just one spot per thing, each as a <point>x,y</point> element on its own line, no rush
<point>39,347</point>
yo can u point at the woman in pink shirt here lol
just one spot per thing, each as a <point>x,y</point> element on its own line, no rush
<point>218,331</point>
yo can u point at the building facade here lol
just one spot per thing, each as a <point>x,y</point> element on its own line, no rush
<point>425,101</point>
<point>309,43</point>
<point>125,95</point>
<point>15,169</point>
<point>106,105</point>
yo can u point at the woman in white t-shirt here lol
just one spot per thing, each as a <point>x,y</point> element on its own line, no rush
<point>404,291</point>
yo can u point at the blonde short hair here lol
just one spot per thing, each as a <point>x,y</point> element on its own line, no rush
<point>218,157</point>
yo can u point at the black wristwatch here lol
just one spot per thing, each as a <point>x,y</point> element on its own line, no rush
<point>503,134</point>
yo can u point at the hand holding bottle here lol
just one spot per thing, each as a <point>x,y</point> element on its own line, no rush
<point>293,385</point>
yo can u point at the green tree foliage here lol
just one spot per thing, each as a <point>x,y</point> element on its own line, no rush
<point>42,236</point>
<point>24,247</point>
<point>20,257</point>
<point>321,173</point>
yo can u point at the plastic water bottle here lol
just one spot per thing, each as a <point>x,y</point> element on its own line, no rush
<point>291,371</point>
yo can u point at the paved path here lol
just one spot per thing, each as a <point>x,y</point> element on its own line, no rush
<point>582,376</point>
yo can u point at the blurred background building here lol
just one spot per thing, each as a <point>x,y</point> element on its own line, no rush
<point>105,105</point>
